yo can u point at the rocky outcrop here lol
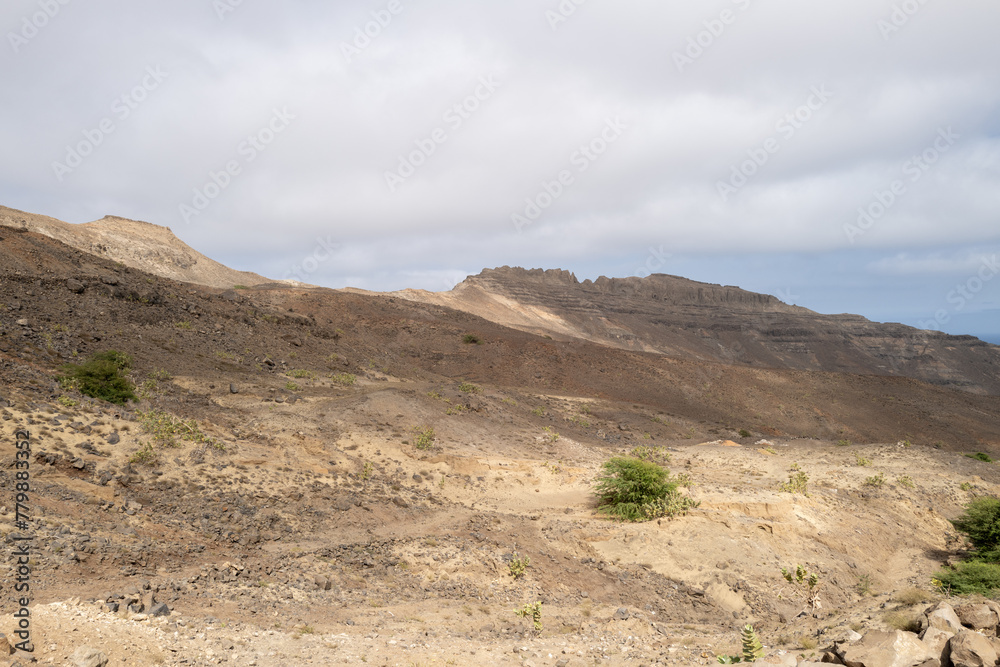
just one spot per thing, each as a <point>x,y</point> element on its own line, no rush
<point>684,318</point>
<point>963,636</point>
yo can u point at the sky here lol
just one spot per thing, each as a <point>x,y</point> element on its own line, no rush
<point>842,156</point>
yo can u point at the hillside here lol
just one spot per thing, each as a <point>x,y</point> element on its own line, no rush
<point>688,319</point>
<point>352,481</point>
<point>139,245</point>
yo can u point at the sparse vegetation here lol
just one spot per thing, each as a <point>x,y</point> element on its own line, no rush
<point>146,455</point>
<point>539,411</point>
<point>797,483</point>
<point>631,489</point>
<point>186,324</point>
<point>471,339</point>
<point>167,429</point>
<point>343,379</point>
<point>103,375</point>
<point>657,455</point>
<point>518,565</point>
<point>301,373</point>
<point>843,443</point>
<point>292,386</point>
<point>745,433</point>
<point>469,388</point>
<point>862,461</point>
<point>534,610</point>
<point>906,481</point>
<point>981,456</point>
<point>424,437</point>
<point>875,481</point>
<point>981,572</point>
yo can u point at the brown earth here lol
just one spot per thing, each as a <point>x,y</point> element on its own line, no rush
<point>302,524</point>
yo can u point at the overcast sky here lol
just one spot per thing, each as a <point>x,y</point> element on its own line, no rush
<point>844,156</point>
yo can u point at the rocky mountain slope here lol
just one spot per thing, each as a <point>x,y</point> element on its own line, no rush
<point>139,245</point>
<point>312,476</point>
<point>684,318</point>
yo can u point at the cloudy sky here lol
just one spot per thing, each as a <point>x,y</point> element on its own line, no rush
<point>844,156</point>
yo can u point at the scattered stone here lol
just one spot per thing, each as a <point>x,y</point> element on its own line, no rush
<point>159,609</point>
<point>23,322</point>
<point>75,286</point>
<point>5,646</point>
<point>885,649</point>
<point>622,614</point>
<point>977,616</point>
<point>233,389</point>
<point>86,656</point>
<point>79,464</point>
<point>113,438</point>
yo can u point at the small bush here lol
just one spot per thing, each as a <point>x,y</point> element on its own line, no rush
<point>517,566</point>
<point>301,373</point>
<point>425,437</point>
<point>981,456</point>
<point>344,379</point>
<point>635,490</point>
<point>292,386</point>
<point>534,610</point>
<point>145,456</point>
<point>471,339</point>
<point>906,481</point>
<point>745,433</point>
<point>103,376</point>
<point>876,481</point>
<point>469,388</point>
<point>539,411</point>
<point>862,461</point>
<point>843,443</point>
<point>797,483</point>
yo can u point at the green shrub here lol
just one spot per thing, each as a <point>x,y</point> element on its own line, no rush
<point>469,388</point>
<point>471,339</point>
<point>635,490</point>
<point>877,481</point>
<point>344,379</point>
<point>301,373</point>
<point>745,433</point>
<point>981,456</point>
<point>797,483</point>
<point>965,578</point>
<point>425,437</point>
<point>103,376</point>
<point>517,565</point>
<point>534,610</point>
<point>981,523</point>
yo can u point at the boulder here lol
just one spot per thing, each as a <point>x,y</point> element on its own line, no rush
<point>977,616</point>
<point>885,649</point>
<point>75,286</point>
<point>159,609</point>
<point>971,649</point>
<point>88,657</point>
<point>937,640</point>
<point>6,648</point>
<point>944,618</point>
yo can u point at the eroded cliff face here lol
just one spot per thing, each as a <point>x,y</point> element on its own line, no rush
<point>679,317</point>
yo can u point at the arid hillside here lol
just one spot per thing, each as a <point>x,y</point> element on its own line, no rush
<point>310,476</point>
<point>684,318</point>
